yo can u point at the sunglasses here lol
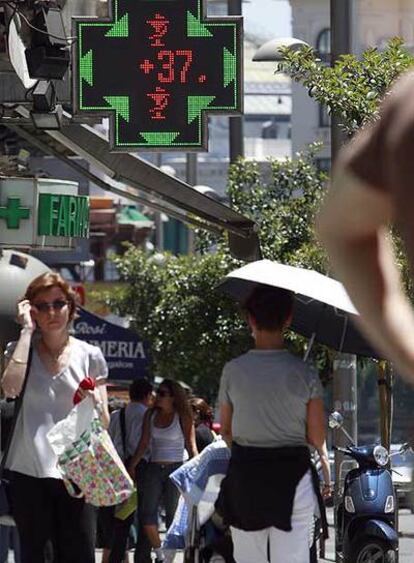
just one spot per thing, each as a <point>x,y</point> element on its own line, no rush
<point>44,306</point>
<point>162,393</point>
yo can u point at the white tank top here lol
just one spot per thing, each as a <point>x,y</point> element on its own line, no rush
<point>167,444</point>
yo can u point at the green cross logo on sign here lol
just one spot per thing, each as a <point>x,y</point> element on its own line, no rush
<point>157,68</point>
<point>13,213</point>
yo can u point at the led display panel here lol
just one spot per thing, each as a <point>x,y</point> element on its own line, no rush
<point>157,68</point>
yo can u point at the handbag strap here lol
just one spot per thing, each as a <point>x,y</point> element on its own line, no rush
<point>18,406</point>
<point>123,430</point>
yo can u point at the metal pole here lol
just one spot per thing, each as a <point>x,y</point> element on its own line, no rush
<point>385,389</point>
<point>345,395</point>
<point>345,377</point>
<point>191,171</point>
<point>191,178</point>
<point>236,123</point>
<point>341,44</point>
<point>384,399</point>
<point>159,225</point>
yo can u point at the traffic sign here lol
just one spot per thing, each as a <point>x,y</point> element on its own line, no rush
<point>157,68</point>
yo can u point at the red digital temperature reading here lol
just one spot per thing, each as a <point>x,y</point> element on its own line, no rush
<point>157,67</point>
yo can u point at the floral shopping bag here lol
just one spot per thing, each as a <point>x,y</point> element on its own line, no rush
<point>87,459</point>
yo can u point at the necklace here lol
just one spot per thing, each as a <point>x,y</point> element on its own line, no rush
<point>55,354</point>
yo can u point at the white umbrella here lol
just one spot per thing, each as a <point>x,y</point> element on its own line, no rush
<point>323,310</point>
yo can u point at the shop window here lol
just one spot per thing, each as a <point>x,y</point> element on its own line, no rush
<point>324,117</point>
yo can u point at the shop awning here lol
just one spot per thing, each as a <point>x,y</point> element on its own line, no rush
<point>129,215</point>
<point>136,179</point>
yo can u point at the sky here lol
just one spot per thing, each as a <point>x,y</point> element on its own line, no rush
<point>267,18</point>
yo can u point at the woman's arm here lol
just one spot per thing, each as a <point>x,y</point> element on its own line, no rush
<point>187,426</point>
<point>13,376</point>
<point>101,403</point>
<point>353,226</point>
<point>226,418</point>
<point>142,444</point>
<point>99,396</point>
<point>315,423</point>
<point>326,470</point>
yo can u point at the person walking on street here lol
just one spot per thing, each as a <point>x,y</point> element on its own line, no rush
<point>42,508</point>
<point>9,537</point>
<point>168,431</point>
<point>203,418</point>
<point>371,189</point>
<point>271,410</point>
<point>125,429</point>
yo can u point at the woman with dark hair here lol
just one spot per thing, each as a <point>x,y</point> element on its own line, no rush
<point>203,419</point>
<point>44,511</point>
<point>168,430</point>
<point>271,410</point>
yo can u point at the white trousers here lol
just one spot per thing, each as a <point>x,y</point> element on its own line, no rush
<point>285,547</point>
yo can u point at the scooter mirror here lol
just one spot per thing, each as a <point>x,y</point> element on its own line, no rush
<point>404,448</point>
<point>335,420</point>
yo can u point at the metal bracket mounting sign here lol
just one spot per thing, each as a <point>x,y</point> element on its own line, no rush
<point>157,68</point>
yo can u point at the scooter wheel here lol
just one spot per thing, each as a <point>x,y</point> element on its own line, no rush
<point>373,549</point>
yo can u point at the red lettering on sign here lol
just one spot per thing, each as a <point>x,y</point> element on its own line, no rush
<point>146,66</point>
<point>168,75</point>
<point>159,24</point>
<point>160,99</point>
<point>188,59</point>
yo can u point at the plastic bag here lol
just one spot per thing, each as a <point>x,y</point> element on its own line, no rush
<point>87,459</point>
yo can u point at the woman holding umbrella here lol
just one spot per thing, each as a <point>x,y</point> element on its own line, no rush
<point>271,411</point>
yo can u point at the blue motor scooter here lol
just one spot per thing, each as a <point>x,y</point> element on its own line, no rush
<point>366,509</point>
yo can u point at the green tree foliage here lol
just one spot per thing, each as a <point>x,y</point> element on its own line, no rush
<point>172,301</point>
<point>352,88</point>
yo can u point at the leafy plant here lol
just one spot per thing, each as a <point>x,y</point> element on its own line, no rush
<point>352,88</point>
<point>172,301</point>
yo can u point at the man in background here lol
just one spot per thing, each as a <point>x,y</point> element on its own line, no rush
<point>125,430</point>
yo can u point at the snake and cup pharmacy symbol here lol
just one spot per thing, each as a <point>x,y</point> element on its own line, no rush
<point>157,68</point>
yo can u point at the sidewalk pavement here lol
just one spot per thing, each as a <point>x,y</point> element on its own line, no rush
<point>406,541</point>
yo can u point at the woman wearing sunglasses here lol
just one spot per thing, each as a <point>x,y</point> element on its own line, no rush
<point>44,512</point>
<point>168,431</point>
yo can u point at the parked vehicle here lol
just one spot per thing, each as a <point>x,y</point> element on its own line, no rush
<point>366,511</point>
<point>402,465</point>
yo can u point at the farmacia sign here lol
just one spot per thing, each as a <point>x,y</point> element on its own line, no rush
<point>42,213</point>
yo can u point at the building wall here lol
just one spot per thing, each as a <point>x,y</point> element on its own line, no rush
<point>375,22</point>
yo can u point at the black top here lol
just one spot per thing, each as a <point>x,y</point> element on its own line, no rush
<point>204,436</point>
<point>259,489</point>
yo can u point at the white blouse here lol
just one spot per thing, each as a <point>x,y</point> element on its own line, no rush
<point>47,400</point>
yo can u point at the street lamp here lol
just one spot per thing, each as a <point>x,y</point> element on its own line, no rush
<point>272,50</point>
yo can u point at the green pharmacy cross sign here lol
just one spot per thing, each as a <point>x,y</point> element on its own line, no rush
<point>157,68</point>
<point>14,212</point>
